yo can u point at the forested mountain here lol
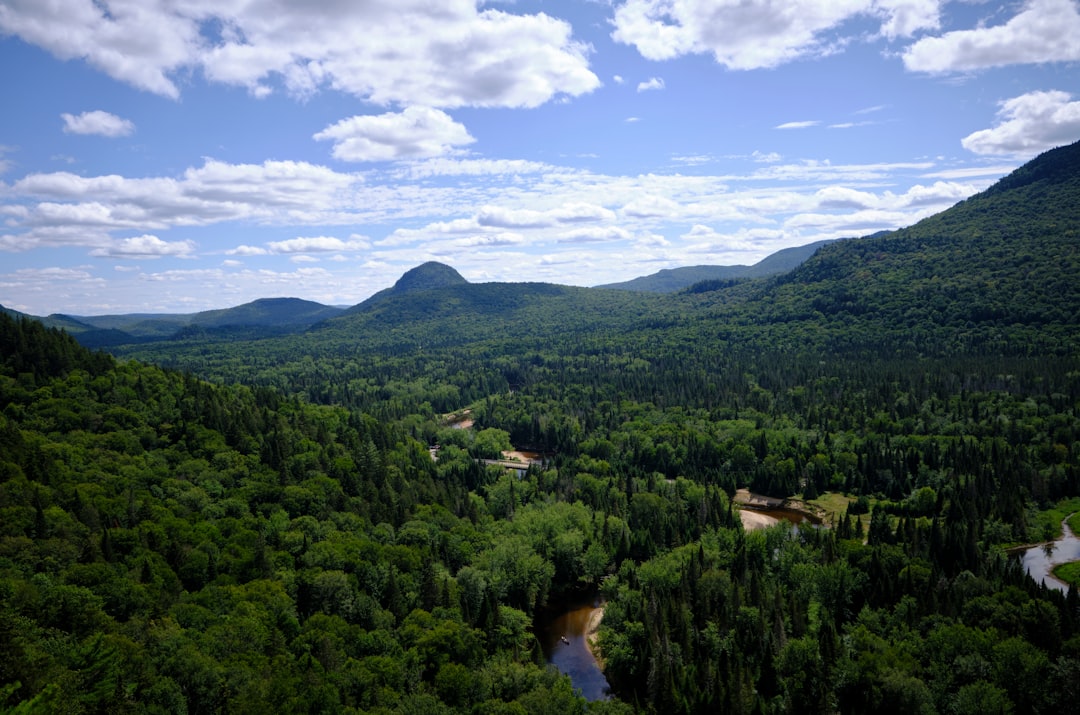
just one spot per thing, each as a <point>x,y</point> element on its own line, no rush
<point>670,280</point>
<point>260,318</point>
<point>282,540</point>
<point>292,313</point>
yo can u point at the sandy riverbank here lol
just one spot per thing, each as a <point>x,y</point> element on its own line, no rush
<point>750,501</point>
<point>591,634</point>
<point>755,520</point>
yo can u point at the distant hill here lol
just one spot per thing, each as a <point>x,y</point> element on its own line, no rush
<point>999,271</point>
<point>260,318</point>
<point>997,274</point>
<point>425,277</point>
<point>672,280</point>
<point>270,312</point>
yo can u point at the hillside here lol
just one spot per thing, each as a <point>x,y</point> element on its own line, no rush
<point>999,272</point>
<point>289,544</point>
<point>671,280</point>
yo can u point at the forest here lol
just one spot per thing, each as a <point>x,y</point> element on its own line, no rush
<point>242,522</point>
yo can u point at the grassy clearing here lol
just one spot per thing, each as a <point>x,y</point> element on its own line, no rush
<point>834,504</point>
<point>1069,573</point>
<point>1046,525</point>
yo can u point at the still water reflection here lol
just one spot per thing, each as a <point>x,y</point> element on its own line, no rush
<point>563,637</point>
<point>1040,560</point>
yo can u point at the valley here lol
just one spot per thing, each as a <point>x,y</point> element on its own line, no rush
<point>244,517</point>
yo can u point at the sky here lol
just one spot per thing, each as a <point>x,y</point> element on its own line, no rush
<point>184,155</point>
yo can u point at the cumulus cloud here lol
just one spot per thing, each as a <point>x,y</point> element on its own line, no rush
<point>573,212</point>
<point>245,250</point>
<point>594,234</point>
<point>386,51</point>
<point>1044,31</point>
<point>416,132</point>
<point>1029,124</point>
<point>277,191</point>
<point>651,206</point>
<point>142,247</point>
<point>650,84</point>
<point>318,244</point>
<point>754,34</point>
<point>97,122</point>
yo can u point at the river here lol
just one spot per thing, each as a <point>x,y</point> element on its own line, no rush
<point>1039,561</point>
<point>563,637</point>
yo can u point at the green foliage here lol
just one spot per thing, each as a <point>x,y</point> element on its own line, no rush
<point>283,540</point>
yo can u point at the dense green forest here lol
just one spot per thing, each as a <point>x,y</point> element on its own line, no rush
<point>219,523</point>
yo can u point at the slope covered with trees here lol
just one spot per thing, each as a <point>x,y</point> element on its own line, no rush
<point>283,540</point>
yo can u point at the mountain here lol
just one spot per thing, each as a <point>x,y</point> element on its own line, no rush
<point>262,317</point>
<point>428,276</point>
<point>270,312</point>
<point>999,271</point>
<point>173,544</point>
<point>425,277</point>
<point>671,280</point>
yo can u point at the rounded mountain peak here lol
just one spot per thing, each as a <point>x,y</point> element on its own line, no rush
<point>428,276</point>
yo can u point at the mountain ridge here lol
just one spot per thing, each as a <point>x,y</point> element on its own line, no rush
<point>671,280</point>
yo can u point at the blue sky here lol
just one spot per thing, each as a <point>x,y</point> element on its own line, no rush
<point>181,155</point>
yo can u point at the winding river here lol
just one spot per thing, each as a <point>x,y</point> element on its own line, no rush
<point>1039,561</point>
<point>563,637</point>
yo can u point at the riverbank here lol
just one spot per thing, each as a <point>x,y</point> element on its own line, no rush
<point>592,631</point>
<point>755,508</point>
<point>1041,560</point>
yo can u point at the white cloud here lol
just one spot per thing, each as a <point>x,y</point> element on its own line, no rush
<point>1029,124</point>
<point>245,250</point>
<point>144,247</point>
<point>766,158</point>
<point>501,217</point>
<point>280,192</point>
<point>754,34</point>
<point>444,166</point>
<point>594,234</point>
<point>572,212</point>
<point>318,244</point>
<point>416,132</point>
<point>969,172</point>
<point>706,238</point>
<point>798,125</point>
<point>652,83</point>
<point>693,159</point>
<point>97,122</point>
<point>491,240</point>
<point>386,51</point>
<point>904,18</point>
<point>651,206</point>
<point>579,211</point>
<point>1044,31</point>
